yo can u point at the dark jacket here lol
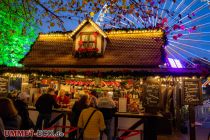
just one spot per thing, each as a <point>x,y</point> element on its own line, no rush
<point>22,109</point>
<point>45,103</point>
<point>108,113</point>
<point>2,130</point>
<point>76,110</point>
<point>13,123</point>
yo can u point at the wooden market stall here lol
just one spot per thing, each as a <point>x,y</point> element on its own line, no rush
<point>129,64</point>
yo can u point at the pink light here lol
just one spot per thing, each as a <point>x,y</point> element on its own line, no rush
<point>172,63</point>
<point>178,63</point>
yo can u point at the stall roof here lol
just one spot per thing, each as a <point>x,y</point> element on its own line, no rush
<point>132,51</point>
<point>124,49</point>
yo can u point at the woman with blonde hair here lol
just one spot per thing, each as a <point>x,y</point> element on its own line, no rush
<point>62,99</point>
<point>9,114</point>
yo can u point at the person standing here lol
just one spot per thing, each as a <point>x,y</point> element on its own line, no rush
<point>62,99</point>
<point>44,106</point>
<point>2,130</point>
<point>107,106</point>
<point>76,111</point>
<point>95,123</point>
<point>10,120</point>
<point>22,108</point>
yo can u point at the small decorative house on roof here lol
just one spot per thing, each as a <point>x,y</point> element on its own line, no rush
<point>90,48</point>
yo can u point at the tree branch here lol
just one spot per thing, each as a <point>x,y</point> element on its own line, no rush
<point>49,11</point>
<point>24,9</point>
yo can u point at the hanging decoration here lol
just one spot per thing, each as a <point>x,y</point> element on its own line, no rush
<point>95,34</point>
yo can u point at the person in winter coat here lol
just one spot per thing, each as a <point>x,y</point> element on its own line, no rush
<point>95,124</point>
<point>107,106</point>
<point>77,108</point>
<point>9,115</point>
<point>44,105</point>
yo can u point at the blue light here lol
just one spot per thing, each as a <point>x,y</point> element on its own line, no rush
<point>172,63</point>
<point>178,63</point>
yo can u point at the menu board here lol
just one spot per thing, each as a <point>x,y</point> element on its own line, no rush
<point>152,95</point>
<point>3,84</point>
<point>15,84</point>
<point>191,92</point>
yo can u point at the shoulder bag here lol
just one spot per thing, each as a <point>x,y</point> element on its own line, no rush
<point>82,131</point>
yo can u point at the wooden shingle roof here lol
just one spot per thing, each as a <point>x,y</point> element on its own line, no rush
<point>124,49</point>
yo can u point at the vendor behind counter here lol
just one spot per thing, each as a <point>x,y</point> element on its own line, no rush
<point>62,99</point>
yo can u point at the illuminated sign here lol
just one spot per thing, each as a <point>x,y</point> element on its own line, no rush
<point>175,63</point>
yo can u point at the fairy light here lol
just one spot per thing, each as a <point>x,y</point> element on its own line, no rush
<point>161,15</point>
<point>127,18</point>
<point>92,23</point>
<point>136,34</point>
<point>101,15</point>
<point>196,11</point>
<point>204,60</point>
<point>198,18</point>
<point>197,33</point>
<point>186,8</point>
<point>77,29</point>
<point>156,16</point>
<point>169,52</point>
<point>15,75</point>
<point>190,46</point>
<point>180,4</point>
<point>198,26</point>
<point>200,42</point>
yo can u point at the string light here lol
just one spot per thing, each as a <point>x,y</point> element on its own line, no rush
<point>92,23</point>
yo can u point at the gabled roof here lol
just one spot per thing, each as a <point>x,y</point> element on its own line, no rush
<point>124,49</point>
<point>84,23</point>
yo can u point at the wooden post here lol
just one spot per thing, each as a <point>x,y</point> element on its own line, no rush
<point>192,122</point>
<point>150,128</point>
<point>64,122</point>
<point>115,126</point>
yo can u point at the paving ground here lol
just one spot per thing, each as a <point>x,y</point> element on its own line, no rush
<point>201,134</point>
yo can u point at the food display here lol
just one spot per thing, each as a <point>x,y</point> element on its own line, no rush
<point>140,93</point>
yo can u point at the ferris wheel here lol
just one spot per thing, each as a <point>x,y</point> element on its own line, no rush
<point>185,22</point>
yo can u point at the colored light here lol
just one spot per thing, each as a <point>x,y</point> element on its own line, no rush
<point>172,63</point>
<point>178,63</point>
<point>16,35</point>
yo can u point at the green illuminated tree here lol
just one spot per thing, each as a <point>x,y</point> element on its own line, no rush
<point>16,36</point>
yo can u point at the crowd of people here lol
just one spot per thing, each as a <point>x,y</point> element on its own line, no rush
<point>92,115</point>
<point>14,115</point>
<point>100,122</point>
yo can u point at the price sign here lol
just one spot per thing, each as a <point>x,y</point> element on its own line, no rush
<point>152,96</point>
<point>191,92</point>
